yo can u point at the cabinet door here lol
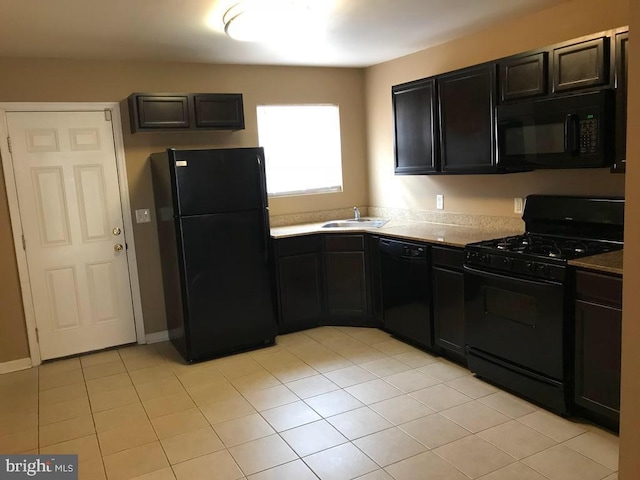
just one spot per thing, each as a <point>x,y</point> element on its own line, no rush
<point>523,77</point>
<point>219,111</point>
<point>346,284</point>
<point>621,72</point>
<point>597,358</point>
<point>467,120</point>
<point>300,292</point>
<point>414,127</point>
<point>157,112</point>
<point>375,280</point>
<point>448,309</point>
<point>581,65</point>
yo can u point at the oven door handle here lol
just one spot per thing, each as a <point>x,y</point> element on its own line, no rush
<point>486,274</point>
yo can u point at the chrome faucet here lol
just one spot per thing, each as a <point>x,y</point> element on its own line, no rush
<point>356,214</point>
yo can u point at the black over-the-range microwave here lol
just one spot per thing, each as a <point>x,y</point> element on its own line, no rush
<point>574,131</point>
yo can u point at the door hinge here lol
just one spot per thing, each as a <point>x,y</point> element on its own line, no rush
<point>37,336</point>
<point>107,114</point>
<point>9,144</point>
<point>24,243</point>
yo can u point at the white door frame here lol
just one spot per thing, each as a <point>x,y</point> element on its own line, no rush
<point>16,221</point>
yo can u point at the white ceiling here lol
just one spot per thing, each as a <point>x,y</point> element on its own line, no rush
<point>354,33</point>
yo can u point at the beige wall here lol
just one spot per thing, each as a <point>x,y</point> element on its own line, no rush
<point>492,194</point>
<point>630,408</point>
<point>26,80</point>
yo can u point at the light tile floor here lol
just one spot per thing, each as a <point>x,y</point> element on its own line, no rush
<point>331,403</point>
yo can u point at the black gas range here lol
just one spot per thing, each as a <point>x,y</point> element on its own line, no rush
<point>518,303</point>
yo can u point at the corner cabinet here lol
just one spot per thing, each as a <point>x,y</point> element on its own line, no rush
<point>415,127</point>
<point>466,100</point>
<point>598,338</point>
<point>179,112</point>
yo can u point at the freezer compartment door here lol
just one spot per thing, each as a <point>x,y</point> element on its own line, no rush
<point>218,181</point>
<point>228,289</point>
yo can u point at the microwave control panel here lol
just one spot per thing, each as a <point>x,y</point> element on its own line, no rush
<point>589,135</point>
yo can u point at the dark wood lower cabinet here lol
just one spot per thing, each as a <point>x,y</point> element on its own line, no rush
<point>346,283</point>
<point>299,280</point>
<point>448,301</point>
<point>346,279</point>
<point>598,331</point>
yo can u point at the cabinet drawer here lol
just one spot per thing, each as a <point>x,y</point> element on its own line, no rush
<point>298,245</point>
<point>344,243</point>
<point>448,257</point>
<point>599,288</point>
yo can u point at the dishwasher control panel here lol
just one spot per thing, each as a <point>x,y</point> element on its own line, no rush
<point>403,249</point>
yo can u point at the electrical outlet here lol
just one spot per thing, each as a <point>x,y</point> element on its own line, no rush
<point>518,203</point>
<point>143,216</point>
<point>440,202</point>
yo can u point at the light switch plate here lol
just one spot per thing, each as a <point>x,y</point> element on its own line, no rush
<point>440,202</point>
<point>143,215</point>
<point>518,204</point>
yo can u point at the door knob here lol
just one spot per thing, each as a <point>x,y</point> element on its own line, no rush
<point>116,231</point>
<point>118,247</point>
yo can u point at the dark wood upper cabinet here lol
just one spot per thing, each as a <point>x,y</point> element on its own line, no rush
<point>219,110</point>
<point>621,77</point>
<point>581,65</point>
<point>466,100</point>
<point>415,127</point>
<point>159,111</point>
<point>523,76</point>
<point>153,112</point>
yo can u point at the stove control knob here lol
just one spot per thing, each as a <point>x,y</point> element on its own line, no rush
<point>532,266</point>
<point>544,270</point>
<point>507,262</point>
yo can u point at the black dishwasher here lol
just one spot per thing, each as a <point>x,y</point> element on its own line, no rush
<point>404,269</point>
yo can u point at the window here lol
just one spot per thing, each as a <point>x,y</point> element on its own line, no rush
<point>302,148</point>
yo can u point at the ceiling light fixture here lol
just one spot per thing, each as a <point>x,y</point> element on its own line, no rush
<point>262,20</point>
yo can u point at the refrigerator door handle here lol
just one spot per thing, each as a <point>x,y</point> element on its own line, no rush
<point>265,208</point>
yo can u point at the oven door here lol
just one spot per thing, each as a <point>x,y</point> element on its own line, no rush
<point>515,320</point>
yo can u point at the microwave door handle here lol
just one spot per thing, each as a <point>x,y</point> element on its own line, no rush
<point>571,134</point>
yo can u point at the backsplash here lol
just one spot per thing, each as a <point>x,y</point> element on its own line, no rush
<point>461,219</point>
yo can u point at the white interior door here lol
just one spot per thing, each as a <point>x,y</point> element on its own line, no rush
<point>69,200</point>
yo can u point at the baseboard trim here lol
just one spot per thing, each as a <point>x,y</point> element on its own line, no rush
<point>15,365</point>
<point>157,337</point>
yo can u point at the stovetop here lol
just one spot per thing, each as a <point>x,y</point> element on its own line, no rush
<point>533,255</point>
<point>548,246</point>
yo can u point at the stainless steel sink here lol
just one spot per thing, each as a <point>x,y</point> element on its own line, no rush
<point>360,223</point>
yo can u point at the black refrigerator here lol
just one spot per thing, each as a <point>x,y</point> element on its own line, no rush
<point>213,231</point>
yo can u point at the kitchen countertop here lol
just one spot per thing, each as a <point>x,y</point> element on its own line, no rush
<point>436,233</point>
<point>610,262</point>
